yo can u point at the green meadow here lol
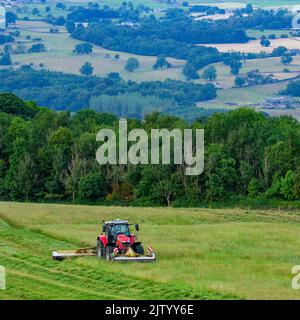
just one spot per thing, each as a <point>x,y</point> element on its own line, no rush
<point>201,253</point>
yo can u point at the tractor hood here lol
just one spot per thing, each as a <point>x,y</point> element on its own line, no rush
<point>123,238</point>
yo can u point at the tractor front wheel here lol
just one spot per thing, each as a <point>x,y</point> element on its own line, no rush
<point>108,253</point>
<point>139,249</point>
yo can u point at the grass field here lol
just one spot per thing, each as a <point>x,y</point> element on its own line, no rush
<point>266,66</point>
<point>60,57</point>
<point>202,253</point>
<point>212,17</point>
<point>243,96</point>
<point>64,12</point>
<point>258,33</point>
<point>220,3</point>
<point>231,98</point>
<point>241,3</point>
<point>255,46</point>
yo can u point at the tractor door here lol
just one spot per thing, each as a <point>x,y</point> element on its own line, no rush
<point>110,234</point>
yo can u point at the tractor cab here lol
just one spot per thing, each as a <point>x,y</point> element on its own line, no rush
<point>113,229</point>
<point>117,227</point>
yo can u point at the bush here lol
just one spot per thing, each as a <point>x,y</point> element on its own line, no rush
<point>92,187</point>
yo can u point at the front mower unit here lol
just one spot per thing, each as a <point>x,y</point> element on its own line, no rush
<point>136,259</point>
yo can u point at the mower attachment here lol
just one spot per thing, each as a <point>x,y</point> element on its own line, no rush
<point>137,259</point>
<point>83,252</point>
<point>90,252</point>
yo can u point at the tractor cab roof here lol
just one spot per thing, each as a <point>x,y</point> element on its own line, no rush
<point>118,221</point>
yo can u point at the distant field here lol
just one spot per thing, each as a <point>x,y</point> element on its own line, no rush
<point>220,4</point>
<point>60,57</point>
<point>256,47</point>
<point>202,253</point>
<point>243,96</point>
<point>213,17</point>
<point>231,98</point>
<point>241,3</point>
<point>277,113</point>
<point>61,12</point>
<point>267,66</point>
<point>258,33</point>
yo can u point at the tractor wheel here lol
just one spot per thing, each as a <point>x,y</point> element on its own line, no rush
<point>100,250</point>
<point>139,249</point>
<point>108,253</point>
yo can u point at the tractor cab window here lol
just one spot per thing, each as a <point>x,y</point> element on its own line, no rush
<point>119,229</point>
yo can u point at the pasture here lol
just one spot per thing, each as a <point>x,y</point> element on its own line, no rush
<point>241,97</point>
<point>254,46</point>
<point>60,57</point>
<point>233,4</point>
<point>202,253</point>
<point>266,66</point>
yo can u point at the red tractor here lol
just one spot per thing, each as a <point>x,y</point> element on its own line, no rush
<point>117,243</point>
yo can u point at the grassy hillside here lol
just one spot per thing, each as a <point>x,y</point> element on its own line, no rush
<point>244,96</point>
<point>202,254</point>
<point>256,47</point>
<point>64,12</point>
<point>60,57</point>
<point>267,66</point>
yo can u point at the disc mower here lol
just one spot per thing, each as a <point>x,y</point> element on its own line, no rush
<point>115,243</point>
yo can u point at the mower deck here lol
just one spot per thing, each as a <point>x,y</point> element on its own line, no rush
<point>84,252</point>
<point>137,259</point>
<point>90,252</point>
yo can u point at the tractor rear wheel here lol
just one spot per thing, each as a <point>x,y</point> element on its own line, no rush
<point>108,253</point>
<point>100,250</point>
<point>139,249</point>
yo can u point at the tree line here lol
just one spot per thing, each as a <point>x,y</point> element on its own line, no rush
<point>50,156</point>
<point>61,91</point>
<point>292,89</point>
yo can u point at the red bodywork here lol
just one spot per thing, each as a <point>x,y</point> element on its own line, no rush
<point>103,238</point>
<point>121,237</point>
<point>132,239</point>
<point>123,241</point>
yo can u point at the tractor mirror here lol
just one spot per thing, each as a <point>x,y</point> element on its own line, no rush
<point>137,228</point>
<point>104,228</point>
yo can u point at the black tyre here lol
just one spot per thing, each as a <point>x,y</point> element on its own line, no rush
<point>139,249</point>
<point>108,253</point>
<point>100,250</point>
